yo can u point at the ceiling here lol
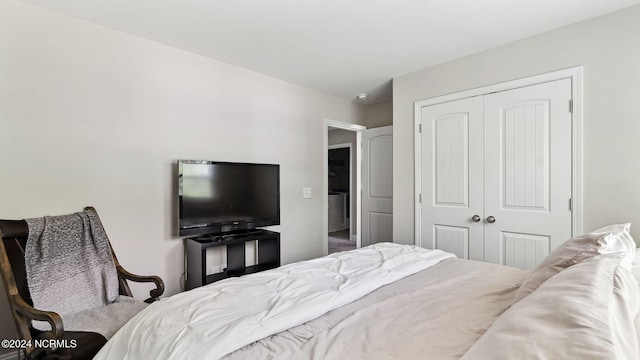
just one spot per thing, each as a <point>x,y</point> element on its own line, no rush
<point>340,47</point>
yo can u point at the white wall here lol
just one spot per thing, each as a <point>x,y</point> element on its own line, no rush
<point>608,48</point>
<point>379,114</point>
<point>92,116</point>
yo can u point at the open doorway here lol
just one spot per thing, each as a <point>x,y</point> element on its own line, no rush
<point>342,179</point>
<point>339,178</point>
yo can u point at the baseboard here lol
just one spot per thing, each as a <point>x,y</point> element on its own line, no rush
<point>9,356</point>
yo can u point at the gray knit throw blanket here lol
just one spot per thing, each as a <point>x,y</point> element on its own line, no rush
<point>69,264</point>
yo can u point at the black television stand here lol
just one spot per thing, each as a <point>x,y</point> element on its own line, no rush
<point>268,255</point>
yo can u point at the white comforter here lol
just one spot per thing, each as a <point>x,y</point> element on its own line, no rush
<point>214,320</point>
<point>437,313</point>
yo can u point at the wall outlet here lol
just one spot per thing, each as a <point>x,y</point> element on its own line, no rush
<point>306,193</point>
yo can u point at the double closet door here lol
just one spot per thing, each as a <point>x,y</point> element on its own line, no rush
<point>496,174</point>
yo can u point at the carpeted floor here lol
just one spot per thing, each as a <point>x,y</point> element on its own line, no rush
<point>339,241</point>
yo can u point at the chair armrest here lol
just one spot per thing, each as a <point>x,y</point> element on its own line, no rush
<point>57,329</point>
<point>154,293</point>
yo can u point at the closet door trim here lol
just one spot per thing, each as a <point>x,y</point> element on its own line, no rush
<point>575,74</point>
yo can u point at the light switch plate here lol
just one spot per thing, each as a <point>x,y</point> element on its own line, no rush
<point>306,193</point>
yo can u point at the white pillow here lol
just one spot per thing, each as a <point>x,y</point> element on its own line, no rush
<point>606,240</point>
<point>584,312</point>
<point>635,266</point>
<point>635,270</point>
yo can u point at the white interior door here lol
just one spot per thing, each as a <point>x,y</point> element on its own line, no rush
<point>452,178</point>
<point>377,185</point>
<point>527,141</point>
<point>496,174</point>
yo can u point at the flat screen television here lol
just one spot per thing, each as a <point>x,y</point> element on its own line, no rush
<point>224,197</point>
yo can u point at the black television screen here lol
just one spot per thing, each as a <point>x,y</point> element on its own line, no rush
<point>221,197</point>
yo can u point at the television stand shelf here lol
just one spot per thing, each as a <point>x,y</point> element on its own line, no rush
<point>268,255</point>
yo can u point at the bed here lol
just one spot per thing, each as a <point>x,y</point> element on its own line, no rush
<point>390,301</point>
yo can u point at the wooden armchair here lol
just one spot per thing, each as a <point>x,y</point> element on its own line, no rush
<point>13,239</point>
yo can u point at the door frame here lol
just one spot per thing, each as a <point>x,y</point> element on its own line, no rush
<point>328,123</point>
<point>576,76</point>
<point>350,147</point>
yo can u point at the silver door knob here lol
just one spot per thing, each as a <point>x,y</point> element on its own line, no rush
<point>475,218</point>
<point>491,219</point>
